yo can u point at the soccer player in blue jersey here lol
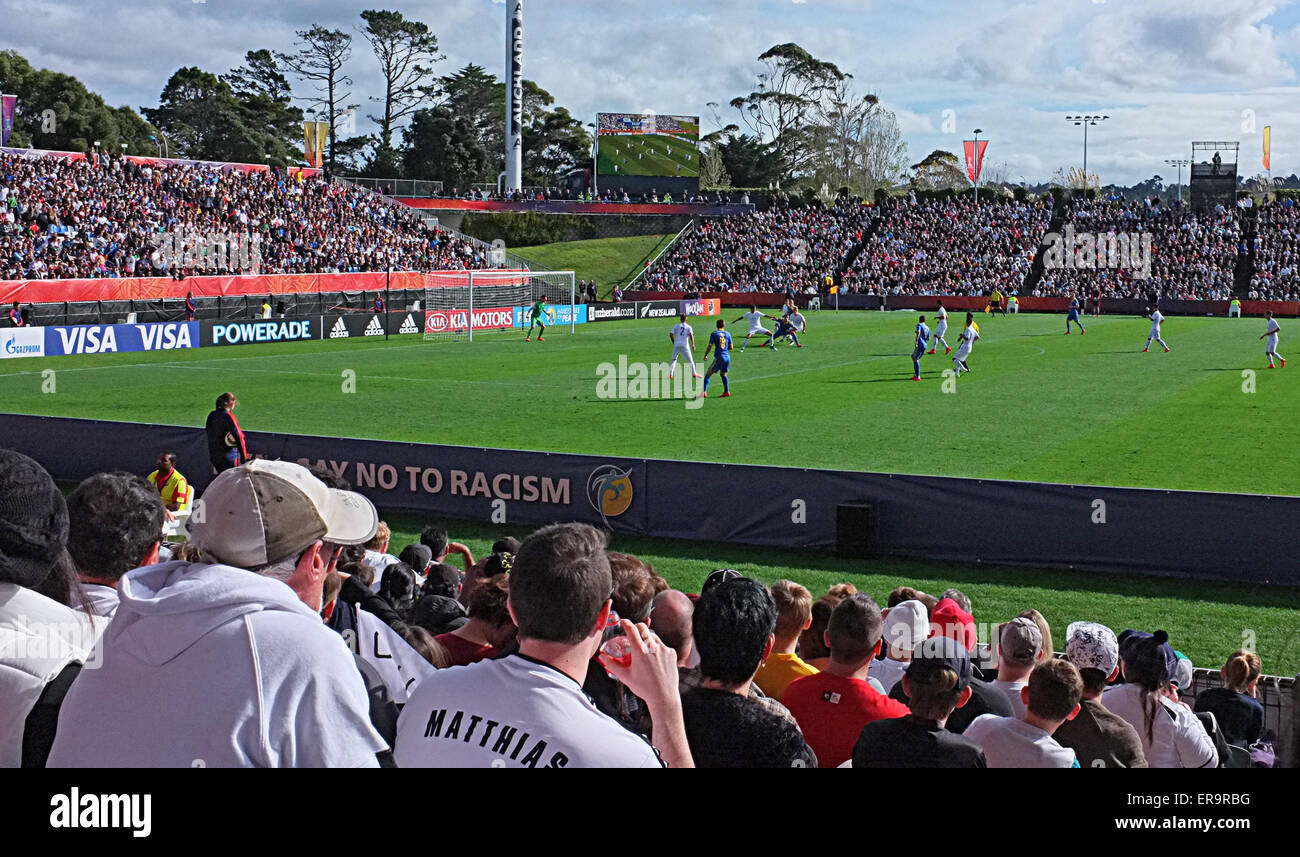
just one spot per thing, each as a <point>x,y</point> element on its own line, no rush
<point>918,348</point>
<point>1073,316</point>
<point>721,340</point>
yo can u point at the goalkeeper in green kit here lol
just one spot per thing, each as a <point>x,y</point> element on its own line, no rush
<point>538,319</point>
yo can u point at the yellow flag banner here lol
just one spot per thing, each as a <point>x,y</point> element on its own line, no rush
<point>309,143</point>
<point>322,134</point>
<point>1268,133</point>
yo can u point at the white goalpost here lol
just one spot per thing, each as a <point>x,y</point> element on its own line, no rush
<point>465,303</point>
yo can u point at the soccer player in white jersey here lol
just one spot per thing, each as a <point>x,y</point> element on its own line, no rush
<point>683,339</point>
<point>1156,320</point>
<point>1271,330</point>
<point>755,319</point>
<point>968,337</point>
<point>940,328</point>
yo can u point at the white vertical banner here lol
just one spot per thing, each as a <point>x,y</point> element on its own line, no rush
<point>514,94</point>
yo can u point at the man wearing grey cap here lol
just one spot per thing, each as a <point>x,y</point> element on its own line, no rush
<point>1019,645</point>
<point>225,662</point>
<point>1100,738</point>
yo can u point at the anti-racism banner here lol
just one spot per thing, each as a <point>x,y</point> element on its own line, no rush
<point>259,331</point>
<point>452,320</point>
<point>116,338</point>
<point>974,150</point>
<point>22,342</point>
<point>8,107</point>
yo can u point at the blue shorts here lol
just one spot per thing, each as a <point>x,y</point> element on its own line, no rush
<point>1073,316</point>
<point>917,352</point>
<point>721,363</point>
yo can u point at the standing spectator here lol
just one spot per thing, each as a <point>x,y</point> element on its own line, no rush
<point>226,446</point>
<point>528,709</point>
<point>1019,644</point>
<point>15,316</point>
<point>171,485</point>
<point>1100,738</point>
<point>793,616</point>
<point>1238,712</point>
<point>1051,697</point>
<point>938,682</point>
<point>832,706</point>
<point>1172,736</point>
<point>191,308</point>
<point>377,556</point>
<point>733,624</point>
<point>266,307</point>
<point>42,643</point>
<point>193,643</point>
<point>489,628</point>
<point>115,524</point>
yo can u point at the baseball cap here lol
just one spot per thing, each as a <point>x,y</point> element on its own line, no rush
<point>906,625</point>
<point>438,614</point>
<point>417,557</point>
<point>33,520</point>
<point>443,579</point>
<point>938,653</point>
<point>1147,656</point>
<point>949,620</point>
<point>1090,645</point>
<point>1182,677</point>
<point>721,575</point>
<point>1020,641</point>
<point>267,511</point>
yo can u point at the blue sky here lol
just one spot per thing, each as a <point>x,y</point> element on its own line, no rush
<point>1166,71</point>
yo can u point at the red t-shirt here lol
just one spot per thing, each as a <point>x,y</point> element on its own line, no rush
<point>831,710</point>
<point>464,652</point>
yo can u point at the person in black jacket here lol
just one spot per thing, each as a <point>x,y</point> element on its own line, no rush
<point>226,446</point>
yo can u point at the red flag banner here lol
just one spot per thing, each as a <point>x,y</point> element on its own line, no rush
<point>974,159</point>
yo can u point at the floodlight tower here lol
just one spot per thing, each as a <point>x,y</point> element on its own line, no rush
<point>514,95</point>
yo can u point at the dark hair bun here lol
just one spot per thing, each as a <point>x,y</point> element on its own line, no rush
<point>1161,637</point>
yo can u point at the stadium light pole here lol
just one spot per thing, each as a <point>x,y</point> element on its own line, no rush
<point>595,149</point>
<point>1180,163</point>
<point>1085,121</point>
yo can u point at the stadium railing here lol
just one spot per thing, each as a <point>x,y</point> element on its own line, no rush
<point>419,188</point>
<point>655,261</point>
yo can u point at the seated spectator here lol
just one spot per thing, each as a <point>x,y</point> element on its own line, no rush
<point>559,598</point>
<point>793,617</point>
<point>171,485</point>
<point>832,706</point>
<point>424,643</point>
<point>435,538</point>
<point>670,618</point>
<point>950,620</point>
<point>907,593</point>
<point>43,643</point>
<point>937,681</point>
<point>1172,736</point>
<point>1019,645</point>
<point>190,639</point>
<point>1234,706</point>
<point>377,557</point>
<point>438,614</point>
<point>1046,650</point>
<point>444,580</point>
<point>115,524</point>
<point>419,558</point>
<point>733,625</point>
<point>1051,698</point>
<point>812,642</point>
<point>489,627</point>
<point>399,587</point>
<point>634,591</point>
<point>1098,737</point>
<point>905,627</point>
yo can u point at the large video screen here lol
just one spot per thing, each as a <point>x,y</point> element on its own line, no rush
<point>647,144</point>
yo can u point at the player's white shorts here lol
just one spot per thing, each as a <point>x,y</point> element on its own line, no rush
<point>755,331</point>
<point>683,351</point>
<point>962,353</point>
<point>1270,344</point>
<point>1234,311</point>
<point>1015,308</point>
<point>940,329</point>
<point>1154,334</point>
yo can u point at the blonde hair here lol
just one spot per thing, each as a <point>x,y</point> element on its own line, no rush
<point>1241,671</point>
<point>793,607</point>
<point>1045,631</point>
<point>382,535</point>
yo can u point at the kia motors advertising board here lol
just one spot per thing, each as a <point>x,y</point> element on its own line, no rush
<point>22,342</point>
<point>116,338</point>
<point>449,320</point>
<point>261,330</point>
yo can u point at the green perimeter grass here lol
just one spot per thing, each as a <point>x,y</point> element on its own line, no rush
<point>1205,620</point>
<point>1038,406</point>
<point>609,261</point>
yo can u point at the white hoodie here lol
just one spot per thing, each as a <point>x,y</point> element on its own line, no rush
<point>38,638</point>
<point>213,666</point>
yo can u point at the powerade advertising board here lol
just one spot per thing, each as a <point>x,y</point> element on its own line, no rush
<point>117,338</point>
<point>261,330</point>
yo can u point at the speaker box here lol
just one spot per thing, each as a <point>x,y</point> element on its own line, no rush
<point>855,530</point>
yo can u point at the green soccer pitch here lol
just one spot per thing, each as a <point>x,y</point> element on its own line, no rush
<point>621,150</point>
<point>1037,406</point>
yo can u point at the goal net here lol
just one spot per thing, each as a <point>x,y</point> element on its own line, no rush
<point>466,304</point>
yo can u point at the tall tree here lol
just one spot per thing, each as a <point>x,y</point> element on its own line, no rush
<point>265,102</point>
<point>202,119</point>
<point>749,161</point>
<point>444,145</point>
<point>406,52</point>
<point>939,170</point>
<point>320,58</point>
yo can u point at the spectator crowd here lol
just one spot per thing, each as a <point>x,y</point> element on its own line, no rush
<point>290,634</point>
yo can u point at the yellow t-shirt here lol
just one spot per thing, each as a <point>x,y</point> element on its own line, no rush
<point>174,490</point>
<point>776,673</point>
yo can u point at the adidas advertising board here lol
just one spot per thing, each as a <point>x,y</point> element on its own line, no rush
<point>363,324</point>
